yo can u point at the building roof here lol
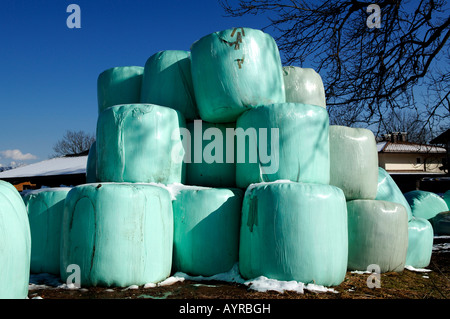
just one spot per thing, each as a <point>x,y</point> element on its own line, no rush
<point>408,147</point>
<point>50,167</point>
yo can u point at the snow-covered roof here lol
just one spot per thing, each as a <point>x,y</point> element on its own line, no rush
<point>51,167</point>
<point>407,147</point>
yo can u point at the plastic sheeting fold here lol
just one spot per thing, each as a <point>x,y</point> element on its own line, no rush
<point>303,85</point>
<point>377,235</point>
<point>234,70</point>
<point>425,204</point>
<point>354,162</point>
<point>206,230</point>
<point>119,234</point>
<point>287,141</point>
<point>15,244</point>
<point>137,143</point>
<point>294,231</point>
<point>91,165</point>
<point>420,243</point>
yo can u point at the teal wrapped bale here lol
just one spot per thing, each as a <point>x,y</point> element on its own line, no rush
<point>234,70</point>
<point>91,165</point>
<point>447,198</point>
<point>285,141</point>
<point>45,213</point>
<point>206,230</point>
<point>420,243</point>
<point>294,231</point>
<point>137,143</point>
<point>15,244</point>
<point>119,234</point>
<point>354,162</point>
<point>425,204</point>
<point>377,234</point>
<point>441,223</point>
<point>303,85</point>
<point>389,191</point>
<point>119,85</point>
<point>208,162</point>
<point>167,81</point>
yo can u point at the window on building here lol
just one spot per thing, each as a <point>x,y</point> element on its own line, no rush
<point>418,160</point>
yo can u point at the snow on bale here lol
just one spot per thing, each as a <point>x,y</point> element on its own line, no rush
<point>206,230</point>
<point>294,231</point>
<point>377,234</point>
<point>353,162</point>
<point>135,144</point>
<point>425,204</point>
<point>119,234</point>
<point>286,141</point>
<point>91,165</point>
<point>45,212</point>
<point>441,223</point>
<point>234,70</point>
<point>167,81</point>
<point>15,244</point>
<point>208,161</point>
<point>303,85</point>
<point>389,191</point>
<point>119,85</point>
<point>420,243</point>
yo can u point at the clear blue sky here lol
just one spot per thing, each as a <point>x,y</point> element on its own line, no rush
<point>48,79</point>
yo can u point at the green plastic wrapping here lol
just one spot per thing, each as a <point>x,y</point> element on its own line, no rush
<point>299,151</point>
<point>119,234</point>
<point>354,162</point>
<point>303,85</point>
<point>91,165</point>
<point>441,223</point>
<point>234,70</point>
<point>294,231</point>
<point>167,81</point>
<point>136,142</point>
<point>15,244</point>
<point>420,243</point>
<point>206,230</point>
<point>425,204</point>
<point>377,234</point>
<point>447,198</point>
<point>45,213</point>
<point>119,85</point>
<point>204,166</point>
<point>389,191</point>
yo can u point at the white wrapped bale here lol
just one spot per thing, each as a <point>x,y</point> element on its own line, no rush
<point>425,204</point>
<point>45,212</point>
<point>377,234</point>
<point>303,85</point>
<point>119,234</point>
<point>234,70</point>
<point>420,243</point>
<point>206,230</point>
<point>284,141</point>
<point>135,143</point>
<point>294,231</point>
<point>15,244</point>
<point>354,162</point>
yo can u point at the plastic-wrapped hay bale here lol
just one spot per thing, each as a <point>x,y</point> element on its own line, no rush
<point>377,234</point>
<point>135,143</point>
<point>206,230</point>
<point>45,212</point>
<point>119,85</point>
<point>447,198</point>
<point>353,162</point>
<point>286,141</point>
<point>303,85</point>
<point>389,191</point>
<point>167,81</point>
<point>420,243</point>
<point>441,223</point>
<point>15,244</point>
<point>234,70</point>
<point>294,231</point>
<point>119,234</point>
<point>91,165</point>
<point>425,204</point>
<point>208,161</point>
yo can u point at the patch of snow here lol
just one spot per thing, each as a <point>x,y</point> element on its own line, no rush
<point>411,268</point>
